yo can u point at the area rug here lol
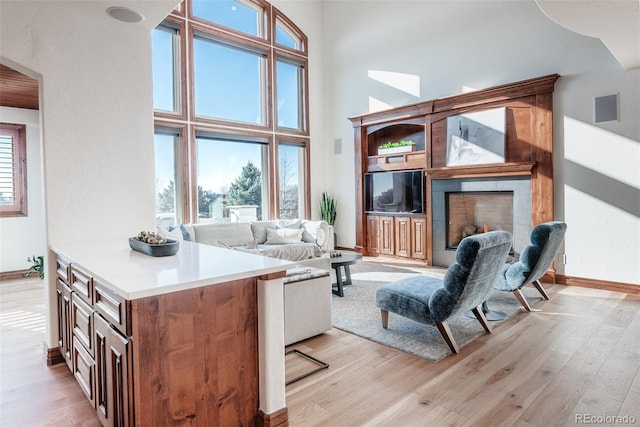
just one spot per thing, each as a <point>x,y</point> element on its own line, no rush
<point>356,313</point>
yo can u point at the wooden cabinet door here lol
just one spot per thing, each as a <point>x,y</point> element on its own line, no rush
<point>403,236</point>
<point>386,237</point>
<point>372,234</point>
<point>82,322</point>
<point>63,293</point>
<point>113,375</point>
<point>84,370</point>
<point>418,238</point>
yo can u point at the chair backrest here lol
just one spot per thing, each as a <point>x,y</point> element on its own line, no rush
<point>468,282</point>
<point>536,258</point>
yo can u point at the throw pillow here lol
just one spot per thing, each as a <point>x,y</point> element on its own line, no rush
<point>171,232</point>
<point>283,236</point>
<point>259,230</point>
<point>285,223</point>
<point>186,234</point>
<point>310,231</point>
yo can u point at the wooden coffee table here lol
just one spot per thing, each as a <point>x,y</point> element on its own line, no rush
<point>345,259</point>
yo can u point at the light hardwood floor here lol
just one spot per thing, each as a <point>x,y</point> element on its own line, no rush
<point>575,355</point>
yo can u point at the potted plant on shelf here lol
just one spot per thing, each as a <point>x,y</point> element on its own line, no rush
<point>402,146</point>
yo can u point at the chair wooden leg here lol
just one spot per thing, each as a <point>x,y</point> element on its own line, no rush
<point>385,318</point>
<point>541,289</point>
<point>446,334</point>
<point>518,293</point>
<point>481,318</point>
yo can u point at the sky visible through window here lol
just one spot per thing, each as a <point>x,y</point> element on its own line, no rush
<point>228,85</point>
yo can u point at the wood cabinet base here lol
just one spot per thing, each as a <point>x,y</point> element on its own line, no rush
<point>277,419</point>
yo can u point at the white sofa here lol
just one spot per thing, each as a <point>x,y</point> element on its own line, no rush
<point>307,287</point>
<point>305,242</point>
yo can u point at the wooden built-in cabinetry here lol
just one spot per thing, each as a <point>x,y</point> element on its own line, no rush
<point>185,357</point>
<point>401,236</point>
<point>97,350</point>
<point>528,152</point>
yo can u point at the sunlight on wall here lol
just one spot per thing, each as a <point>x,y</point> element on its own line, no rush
<point>408,83</point>
<point>615,156</point>
<point>467,89</point>
<point>601,193</point>
<point>376,105</point>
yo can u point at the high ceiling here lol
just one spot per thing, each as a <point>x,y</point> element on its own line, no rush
<point>615,22</point>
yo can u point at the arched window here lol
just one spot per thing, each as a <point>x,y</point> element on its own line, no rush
<point>231,113</point>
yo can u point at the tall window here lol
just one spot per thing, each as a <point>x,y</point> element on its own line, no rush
<point>292,163</point>
<point>13,170</point>
<point>168,178</point>
<point>231,188</point>
<point>231,109</point>
<point>233,91</point>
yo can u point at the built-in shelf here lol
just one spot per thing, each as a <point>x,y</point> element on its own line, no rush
<point>528,153</point>
<point>495,169</point>
<point>399,161</point>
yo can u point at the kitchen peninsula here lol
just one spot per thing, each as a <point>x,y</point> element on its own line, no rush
<point>196,338</point>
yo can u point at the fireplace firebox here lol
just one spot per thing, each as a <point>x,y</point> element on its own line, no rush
<point>475,212</point>
<point>502,203</point>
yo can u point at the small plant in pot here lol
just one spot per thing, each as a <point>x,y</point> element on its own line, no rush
<point>37,265</point>
<point>328,211</point>
<point>402,146</point>
<point>328,208</point>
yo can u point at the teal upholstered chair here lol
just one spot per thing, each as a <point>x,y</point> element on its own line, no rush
<point>466,284</point>
<point>534,261</point>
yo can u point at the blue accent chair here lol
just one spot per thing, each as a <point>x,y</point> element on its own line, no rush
<point>534,261</point>
<point>466,284</point>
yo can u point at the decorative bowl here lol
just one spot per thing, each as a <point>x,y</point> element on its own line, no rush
<point>164,249</point>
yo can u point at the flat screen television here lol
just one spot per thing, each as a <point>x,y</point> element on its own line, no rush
<point>394,191</point>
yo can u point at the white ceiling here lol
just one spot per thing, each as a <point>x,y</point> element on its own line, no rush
<point>615,22</point>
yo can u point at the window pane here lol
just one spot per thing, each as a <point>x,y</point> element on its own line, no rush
<point>289,95</point>
<point>286,38</point>
<point>232,91</point>
<point>7,177</point>
<point>163,41</point>
<point>232,179</point>
<point>168,212</point>
<point>233,14</point>
<point>291,181</point>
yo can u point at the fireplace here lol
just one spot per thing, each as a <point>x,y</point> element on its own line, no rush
<point>472,212</point>
<point>500,203</point>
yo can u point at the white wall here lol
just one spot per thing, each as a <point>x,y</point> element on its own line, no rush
<point>437,49</point>
<point>24,236</point>
<point>97,115</point>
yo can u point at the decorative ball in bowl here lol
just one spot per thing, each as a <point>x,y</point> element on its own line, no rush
<point>154,244</point>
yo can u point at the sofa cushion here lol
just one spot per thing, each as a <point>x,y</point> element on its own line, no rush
<point>259,230</point>
<point>311,230</point>
<point>289,223</point>
<point>231,234</point>
<point>291,252</point>
<point>283,236</point>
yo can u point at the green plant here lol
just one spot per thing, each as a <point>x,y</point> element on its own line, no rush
<point>37,265</point>
<point>402,143</point>
<point>328,208</point>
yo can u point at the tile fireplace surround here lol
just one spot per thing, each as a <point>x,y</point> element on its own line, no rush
<point>521,188</point>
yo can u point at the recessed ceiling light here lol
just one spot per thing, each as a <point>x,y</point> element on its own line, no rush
<point>124,14</point>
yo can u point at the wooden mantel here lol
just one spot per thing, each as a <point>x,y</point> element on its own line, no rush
<point>528,146</point>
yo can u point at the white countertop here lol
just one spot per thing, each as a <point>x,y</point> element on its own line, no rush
<point>135,275</point>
